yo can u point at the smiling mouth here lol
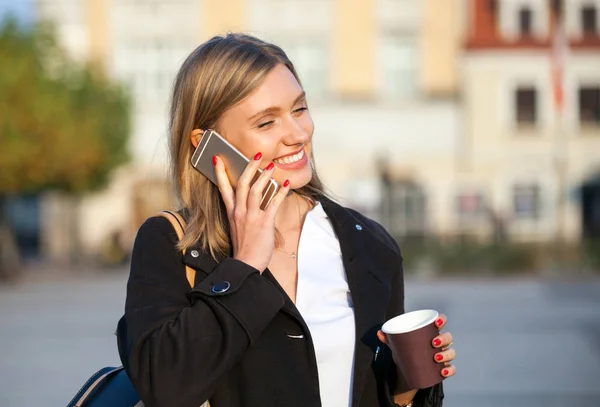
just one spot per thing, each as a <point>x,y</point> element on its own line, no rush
<point>290,159</point>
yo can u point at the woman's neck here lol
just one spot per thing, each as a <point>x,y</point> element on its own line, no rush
<point>291,213</point>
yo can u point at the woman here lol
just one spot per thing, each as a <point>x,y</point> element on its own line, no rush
<point>287,302</point>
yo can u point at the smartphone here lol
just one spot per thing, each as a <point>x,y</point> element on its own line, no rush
<point>211,144</point>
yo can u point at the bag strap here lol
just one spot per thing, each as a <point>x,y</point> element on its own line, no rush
<point>92,383</point>
<point>179,225</point>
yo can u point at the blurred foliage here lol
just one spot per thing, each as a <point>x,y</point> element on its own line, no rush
<point>592,253</point>
<point>62,125</point>
<point>464,256</point>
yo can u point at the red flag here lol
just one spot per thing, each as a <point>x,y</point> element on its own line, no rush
<point>560,48</point>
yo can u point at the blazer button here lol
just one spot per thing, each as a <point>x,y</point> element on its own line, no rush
<point>221,287</point>
<point>195,253</point>
<point>358,227</point>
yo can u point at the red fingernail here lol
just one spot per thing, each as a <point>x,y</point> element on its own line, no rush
<point>439,357</point>
<point>214,160</point>
<point>286,183</point>
<point>270,167</point>
<point>258,156</point>
<point>439,322</point>
<point>445,372</point>
<point>437,342</point>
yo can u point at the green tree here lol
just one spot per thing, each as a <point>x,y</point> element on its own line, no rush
<point>63,126</point>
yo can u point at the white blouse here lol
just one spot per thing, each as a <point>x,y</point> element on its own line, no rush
<point>323,299</point>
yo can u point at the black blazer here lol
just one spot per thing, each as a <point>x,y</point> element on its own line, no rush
<point>186,346</point>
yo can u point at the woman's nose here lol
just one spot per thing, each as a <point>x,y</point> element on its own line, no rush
<point>295,133</point>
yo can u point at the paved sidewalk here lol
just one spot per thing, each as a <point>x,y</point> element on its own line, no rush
<point>520,343</point>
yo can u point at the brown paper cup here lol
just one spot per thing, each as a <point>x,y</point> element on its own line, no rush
<point>410,336</point>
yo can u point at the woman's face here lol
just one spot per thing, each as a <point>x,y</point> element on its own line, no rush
<point>274,120</point>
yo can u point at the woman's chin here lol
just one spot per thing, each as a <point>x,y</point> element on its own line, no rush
<point>297,179</point>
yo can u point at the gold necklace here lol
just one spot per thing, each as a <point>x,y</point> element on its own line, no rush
<point>294,254</point>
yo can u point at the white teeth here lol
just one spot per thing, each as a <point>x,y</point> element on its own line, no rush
<point>291,159</point>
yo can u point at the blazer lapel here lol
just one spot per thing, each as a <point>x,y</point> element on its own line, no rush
<point>370,265</point>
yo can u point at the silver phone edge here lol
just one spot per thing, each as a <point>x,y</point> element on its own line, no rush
<point>198,153</point>
<point>275,185</point>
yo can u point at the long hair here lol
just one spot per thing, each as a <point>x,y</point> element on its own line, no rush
<point>216,76</point>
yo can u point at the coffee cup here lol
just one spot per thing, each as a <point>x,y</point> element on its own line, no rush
<point>410,338</point>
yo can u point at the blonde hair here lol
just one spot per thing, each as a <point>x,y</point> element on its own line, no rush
<point>217,75</point>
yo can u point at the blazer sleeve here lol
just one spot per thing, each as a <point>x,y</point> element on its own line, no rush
<point>428,397</point>
<point>181,342</point>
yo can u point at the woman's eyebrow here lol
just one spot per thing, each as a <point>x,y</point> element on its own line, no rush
<point>271,109</point>
<point>274,109</point>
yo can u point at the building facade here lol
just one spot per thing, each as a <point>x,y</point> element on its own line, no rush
<point>531,156</point>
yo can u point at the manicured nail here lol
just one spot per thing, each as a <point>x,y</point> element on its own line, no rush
<point>270,167</point>
<point>439,357</point>
<point>445,372</point>
<point>214,160</point>
<point>258,156</point>
<point>286,183</point>
<point>437,342</point>
<point>439,322</point>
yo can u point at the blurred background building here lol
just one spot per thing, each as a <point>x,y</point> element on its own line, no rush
<point>439,118</point>
<point>530,92</point>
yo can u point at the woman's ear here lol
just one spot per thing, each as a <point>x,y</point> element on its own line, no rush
<point>196,136</point>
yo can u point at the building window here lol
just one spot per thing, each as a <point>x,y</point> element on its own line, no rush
<point>397,62</point>
<point>589,106</point>
<point>526,201</point>
<point>557,7</point>
<point>149,66</point>
<point>526,106</point>
<point>405,206</point>
<point>589,20</point>
<point>493,10</point>
<point>525,17</point>
<point>310,61</point>
<point>469,206</point>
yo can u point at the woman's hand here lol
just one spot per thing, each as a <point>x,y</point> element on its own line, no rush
<point>442,342</point>
<point>252,229</point>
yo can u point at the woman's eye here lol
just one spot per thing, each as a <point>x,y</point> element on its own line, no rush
<point>265,124</point>
<point>301,109</point>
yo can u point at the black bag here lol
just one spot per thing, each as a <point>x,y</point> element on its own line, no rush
<point>110,386</point>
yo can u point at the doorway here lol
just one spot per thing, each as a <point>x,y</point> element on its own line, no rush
<point>590,208</point>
